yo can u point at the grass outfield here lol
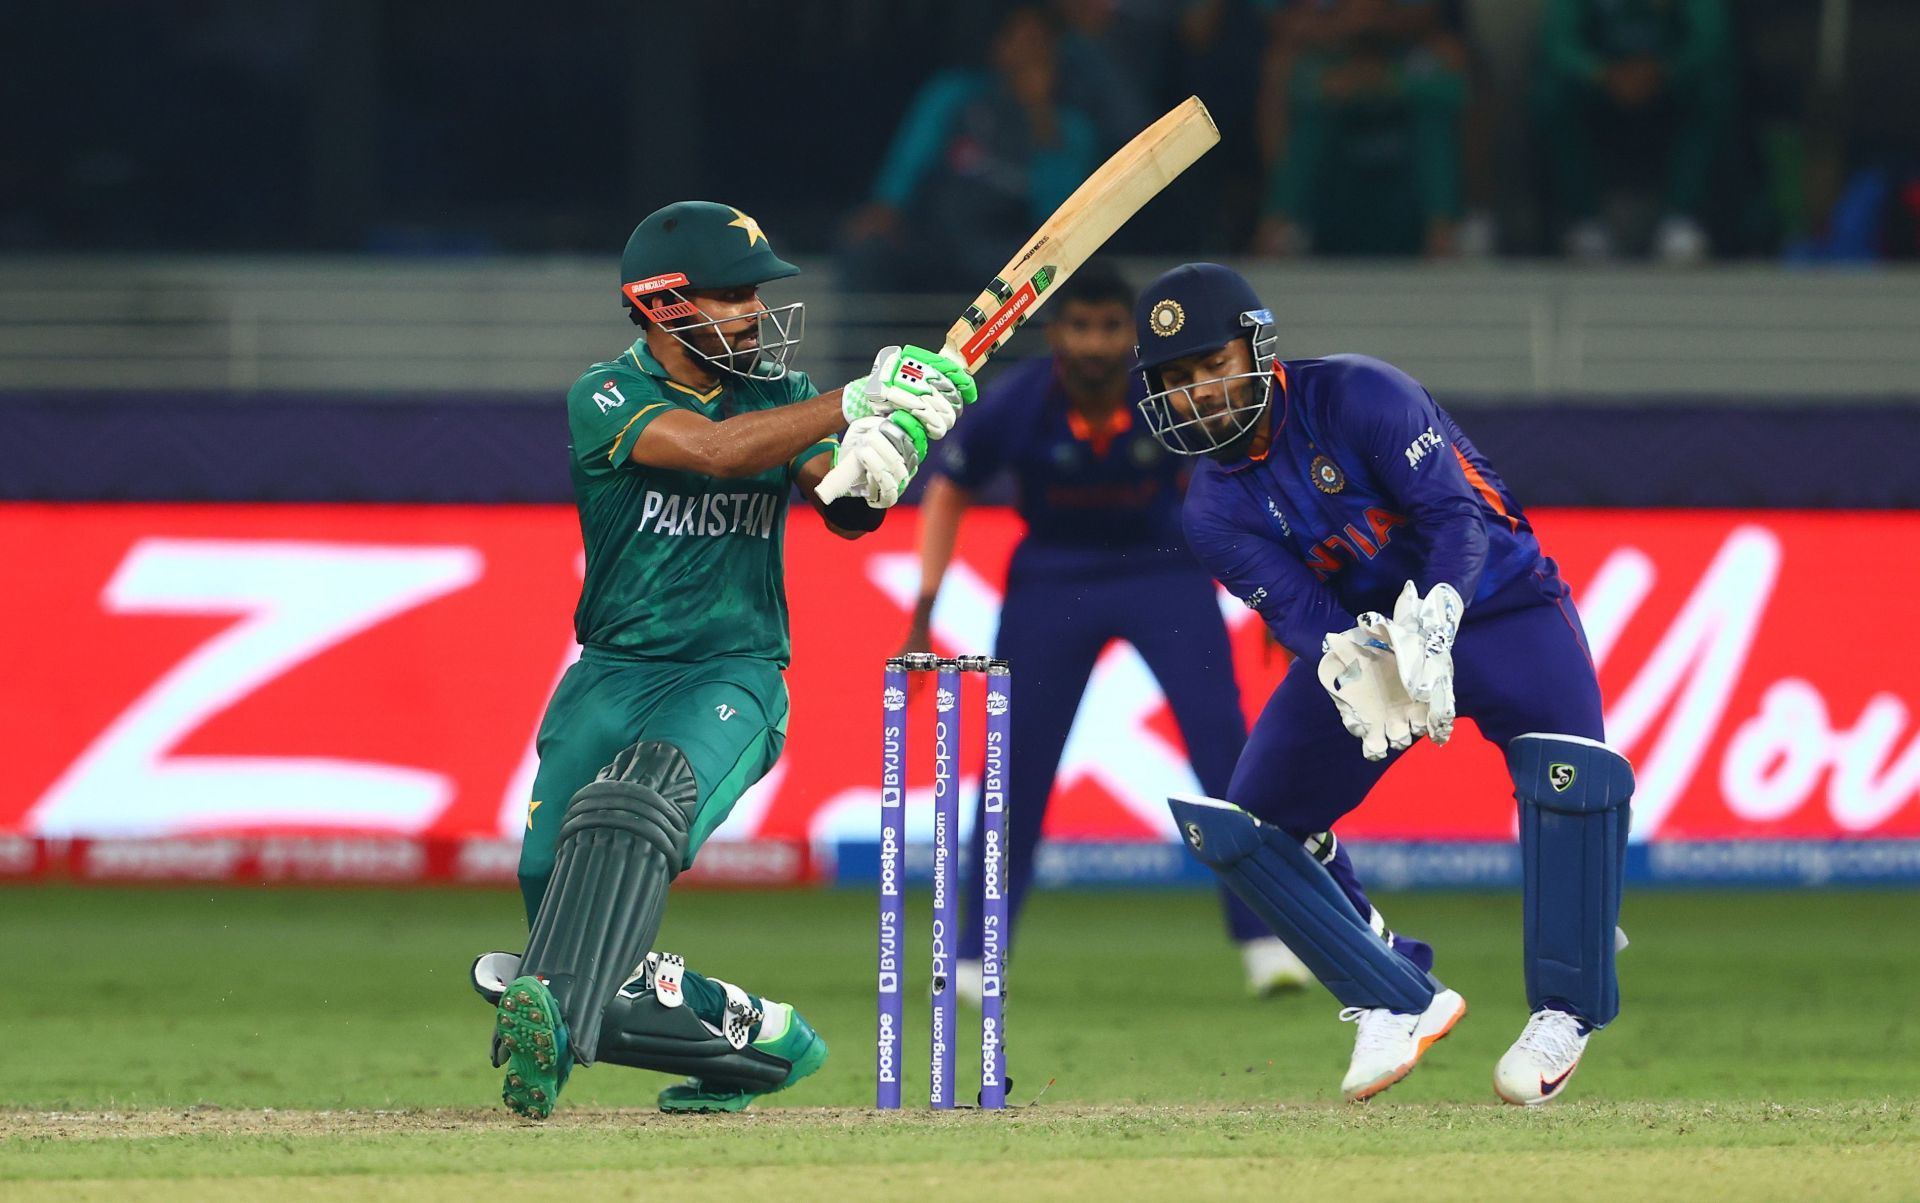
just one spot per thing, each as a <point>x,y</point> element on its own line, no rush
<point>191,1043</point>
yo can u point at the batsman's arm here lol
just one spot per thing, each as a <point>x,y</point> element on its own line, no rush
<point>940,509</point>
<point>743,445</point>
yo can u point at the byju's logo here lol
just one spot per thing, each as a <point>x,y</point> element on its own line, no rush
<point>1256,599</point>
<point>996,703</point>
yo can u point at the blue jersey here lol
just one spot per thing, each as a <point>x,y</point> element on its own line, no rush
<point>1093,500</point>
<point>1367,484</point>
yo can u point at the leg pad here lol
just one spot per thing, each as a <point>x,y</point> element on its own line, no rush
<point>1292,891</point>
<point>620,846</point>
<point>1575,811</point>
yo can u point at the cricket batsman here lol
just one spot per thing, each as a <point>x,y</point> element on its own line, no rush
<point>685,451</point>
<point>1335,498</point>
<point>1103,558</point>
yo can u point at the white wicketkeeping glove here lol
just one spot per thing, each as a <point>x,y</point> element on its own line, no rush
<point>887,456</point>
<point>908,380</point>
<point>1422,635</point>
<point>1357,669</point>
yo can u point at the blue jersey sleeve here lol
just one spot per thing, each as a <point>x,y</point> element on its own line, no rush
<point>1387,417</point>
<point>1263,574</point>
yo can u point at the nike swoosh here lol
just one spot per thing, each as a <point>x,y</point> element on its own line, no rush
<point>1547,1087</point>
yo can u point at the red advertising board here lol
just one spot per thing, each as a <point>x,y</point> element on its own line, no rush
<point>356,671</point>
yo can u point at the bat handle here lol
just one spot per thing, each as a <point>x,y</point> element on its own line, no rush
<point>838,481</point>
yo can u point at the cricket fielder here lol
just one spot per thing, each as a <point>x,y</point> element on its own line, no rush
<point>685,451</point>
<point>1103,558</point>
<point>1335,498</point>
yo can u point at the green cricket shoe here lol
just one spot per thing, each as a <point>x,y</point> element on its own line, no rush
<point>530,1039</point>
<point>785,1034</point>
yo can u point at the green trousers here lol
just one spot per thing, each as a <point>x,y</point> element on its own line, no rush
<point>728,717</point>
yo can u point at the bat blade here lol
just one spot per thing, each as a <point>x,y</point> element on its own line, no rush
<point>1083,223</point>
<point>1121,186</point>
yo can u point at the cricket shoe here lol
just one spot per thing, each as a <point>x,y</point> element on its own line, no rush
<point>1541,1061</point>
<point>784,1034</point>
<point>530,1040</point>
<point>1271,967</point>
<point>1389,1044</point>
<point>491,973</point>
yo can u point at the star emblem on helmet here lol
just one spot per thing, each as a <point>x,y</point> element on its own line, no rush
<point>1166,318</point>
<point>752,227</point>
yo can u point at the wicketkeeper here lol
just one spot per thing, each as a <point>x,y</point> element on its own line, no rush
<point>1335,498</point>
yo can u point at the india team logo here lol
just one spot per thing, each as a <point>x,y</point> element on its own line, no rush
<point>895,698</point>
<point>1327,476</point>
<point>1166,318</point>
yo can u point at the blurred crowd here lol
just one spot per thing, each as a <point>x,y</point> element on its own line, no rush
<point>918,141</point>
<point>1357,128</point>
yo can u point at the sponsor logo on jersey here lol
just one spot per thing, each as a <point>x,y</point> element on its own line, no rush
<point>1424,442</point>
<point>1273,512</point>
<point>709,514</point>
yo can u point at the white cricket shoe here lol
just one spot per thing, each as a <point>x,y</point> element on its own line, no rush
<point>1389,1044</point>
<point>1541,1061</point>
<point>1272,968</point>
<point>967,985</point>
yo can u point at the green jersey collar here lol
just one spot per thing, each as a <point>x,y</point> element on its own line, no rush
<point>641,357</point>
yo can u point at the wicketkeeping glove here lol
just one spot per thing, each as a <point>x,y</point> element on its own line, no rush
<point>1357,670</point>
<point>1422,633</point>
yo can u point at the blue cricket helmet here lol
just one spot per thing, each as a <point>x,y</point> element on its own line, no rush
<point>1192,310</point>
<point>1195,307</point>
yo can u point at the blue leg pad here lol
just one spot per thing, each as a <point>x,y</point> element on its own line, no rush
<point>1575,810</point>
<point>1292,891</point>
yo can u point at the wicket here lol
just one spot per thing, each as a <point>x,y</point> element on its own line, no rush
<point>946,875</point>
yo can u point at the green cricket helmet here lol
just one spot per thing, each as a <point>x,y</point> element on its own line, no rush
<point>694,245</point>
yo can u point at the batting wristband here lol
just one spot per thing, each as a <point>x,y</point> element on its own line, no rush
<point>853,513</point>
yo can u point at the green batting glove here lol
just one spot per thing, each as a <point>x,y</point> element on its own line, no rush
<point>910,380</point>
<point>955,372</point>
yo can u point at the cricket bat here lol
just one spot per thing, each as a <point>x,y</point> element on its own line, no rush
<point>1080,226</point>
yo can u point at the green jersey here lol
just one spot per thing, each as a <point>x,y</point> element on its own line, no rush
<point>680,566</point>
